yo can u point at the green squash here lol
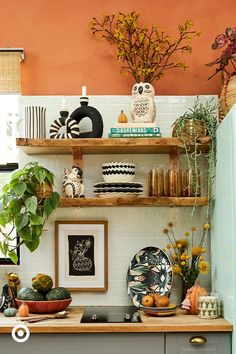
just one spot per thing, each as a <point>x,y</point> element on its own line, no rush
<point>10,312</point>
<point>42,283</point>
<point>29,294</point>
<point>59,293</point>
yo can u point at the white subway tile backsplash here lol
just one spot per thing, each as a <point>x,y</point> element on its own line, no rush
<point>129,229</point>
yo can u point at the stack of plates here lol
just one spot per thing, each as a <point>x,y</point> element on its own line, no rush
<point>115,189</point>
<point>159,311</point>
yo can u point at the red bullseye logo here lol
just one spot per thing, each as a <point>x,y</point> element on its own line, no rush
<point>20,333</point>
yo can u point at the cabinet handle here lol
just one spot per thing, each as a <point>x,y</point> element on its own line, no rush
<point>198,340</point>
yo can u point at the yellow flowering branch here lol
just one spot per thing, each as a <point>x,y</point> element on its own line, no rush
<point>145,54</point>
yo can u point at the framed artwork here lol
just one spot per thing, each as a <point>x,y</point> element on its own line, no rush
<point>5,175</point>
<point>81,255</point>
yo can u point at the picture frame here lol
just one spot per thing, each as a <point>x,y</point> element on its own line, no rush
<point>81,255</point>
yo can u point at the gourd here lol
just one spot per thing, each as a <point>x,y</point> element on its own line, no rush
<point>29,294</point>
<point>10,312</point>
<point>23,310</point>
<point>42,283</point>
<point>122,118</point>
<point>194,292</point>
<point>58,293</point>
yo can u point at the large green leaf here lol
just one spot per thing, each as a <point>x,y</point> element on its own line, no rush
<point>3,219</point>
<point>5,188</point>
<point>2,248</point>
<point>55,199</point>
<point>50,177</point>
<point>5,247</point>
<point>40,175</point>
<point>31,204</point>
<point>37,230</point>
<point>15,206</point>
<point>32,246</point>
<point>25,233</point>
<point>36,220</point>
<point>20,188</point>
<point>30,187</point>
<point>48,208</point>
<point>21,221</point>
<point>13,256</point>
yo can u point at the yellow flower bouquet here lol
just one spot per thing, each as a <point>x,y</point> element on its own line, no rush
<point>145,53</point>
<point>187,255</point>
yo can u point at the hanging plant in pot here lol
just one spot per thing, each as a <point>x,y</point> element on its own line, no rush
<point>227,67</point>
<point>196,126</point>
<point>145,55</point>
<point>25,204</point>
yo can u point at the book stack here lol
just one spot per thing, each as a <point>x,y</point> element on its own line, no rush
<point>135,130</point>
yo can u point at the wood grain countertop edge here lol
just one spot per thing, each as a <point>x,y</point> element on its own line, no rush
<point>181,322</point>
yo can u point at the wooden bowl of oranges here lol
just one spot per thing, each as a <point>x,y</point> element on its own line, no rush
<point>157,305</point>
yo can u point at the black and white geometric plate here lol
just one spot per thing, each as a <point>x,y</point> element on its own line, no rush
<point>150,271</point>
<point>118,184</point>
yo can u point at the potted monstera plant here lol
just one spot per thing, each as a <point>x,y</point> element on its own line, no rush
<point>25,204</point>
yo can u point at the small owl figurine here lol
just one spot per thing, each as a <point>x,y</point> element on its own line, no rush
<point>143,108</point>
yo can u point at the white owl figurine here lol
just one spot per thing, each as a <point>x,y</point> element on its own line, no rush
<point>72,185</point>
<point>143,108</point>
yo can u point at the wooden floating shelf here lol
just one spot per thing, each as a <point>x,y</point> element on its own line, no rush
<point>102,146</point>
<point>134,201</point>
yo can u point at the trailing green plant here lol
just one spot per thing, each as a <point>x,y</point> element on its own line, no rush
<point>24,210</point>
<point>207,115</point>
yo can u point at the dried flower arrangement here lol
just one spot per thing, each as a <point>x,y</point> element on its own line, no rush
<point>227,61</point>
<point>186,255</point>
<point>145,54</point>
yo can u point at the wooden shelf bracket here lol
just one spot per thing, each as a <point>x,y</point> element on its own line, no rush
<point>174,159</point>
<point>77,157</point>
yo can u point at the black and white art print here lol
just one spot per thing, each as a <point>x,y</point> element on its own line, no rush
<point>81,255</point>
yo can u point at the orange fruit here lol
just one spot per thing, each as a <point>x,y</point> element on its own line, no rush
<point>162,301</point>
<point>148,301</point>
<point>155,296</point>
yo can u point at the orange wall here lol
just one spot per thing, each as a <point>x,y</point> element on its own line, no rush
<point>61,54</point>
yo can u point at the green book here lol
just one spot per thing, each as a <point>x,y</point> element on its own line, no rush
<point>135,130</point>
<point>134,135</point>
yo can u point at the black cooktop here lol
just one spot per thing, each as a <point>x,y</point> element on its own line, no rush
<point>111,314</point>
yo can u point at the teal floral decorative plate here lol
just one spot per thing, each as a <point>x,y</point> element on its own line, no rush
<point>150,271</point>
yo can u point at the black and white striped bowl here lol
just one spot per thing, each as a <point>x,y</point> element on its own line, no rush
<point>118,171</point>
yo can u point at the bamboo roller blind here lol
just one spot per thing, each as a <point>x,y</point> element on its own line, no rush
<point>10,71</point>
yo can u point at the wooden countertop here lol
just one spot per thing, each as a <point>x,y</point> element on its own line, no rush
<point>181,322</point>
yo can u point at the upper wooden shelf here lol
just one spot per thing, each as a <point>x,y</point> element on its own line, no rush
<point>102,146</point>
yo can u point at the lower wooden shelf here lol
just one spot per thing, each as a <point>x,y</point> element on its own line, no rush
<point>134,201</point>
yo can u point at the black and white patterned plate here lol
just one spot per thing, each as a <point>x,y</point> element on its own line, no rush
<point>150,271</point>
<point>118,184</point>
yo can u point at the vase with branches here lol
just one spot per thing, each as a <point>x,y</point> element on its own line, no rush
<point>145,54</point>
